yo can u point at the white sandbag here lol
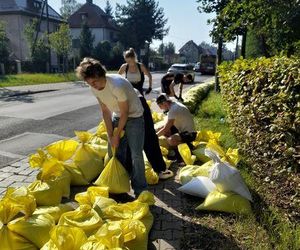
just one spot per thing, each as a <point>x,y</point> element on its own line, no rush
<point>227,178</point>
<point>199,186</point>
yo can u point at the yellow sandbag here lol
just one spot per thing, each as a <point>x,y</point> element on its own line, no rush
<point>164,151</point>
<point>163,142</point>
<point>35,228</point>
<point>225,202</point>
<point>54,211</point>
<point>62,150</point>
<point>16,201</point>
<point>186,154</point>
<point>46,193</point>
<point>203,170</point>
<point>106,159</point>
<point>36,160</point>
<point>89,197</point>
<point>84,217</point>
<point>146,197</point>
<point>167,161</point>
<point>205,136</point>
<point>231,156</point>
<point>86,158</point>
<point>199,152</point>
<point>114,176</point>
<point>65,238</point>
<point>12,241</point>
<point>100,149</point>
<point>151,176</point>
<point>77,178</point>
<point>54,170</point>
<point>102,203</point>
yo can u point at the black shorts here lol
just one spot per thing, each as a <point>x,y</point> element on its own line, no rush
<point>185,136</point>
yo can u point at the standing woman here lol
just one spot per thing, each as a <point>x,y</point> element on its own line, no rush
<point>135,71</point>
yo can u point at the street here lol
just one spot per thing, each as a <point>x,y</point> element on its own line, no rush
<point>35,120</point>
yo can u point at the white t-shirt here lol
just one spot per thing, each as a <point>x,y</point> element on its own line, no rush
<point>183,119</point>
<point>118,89</point>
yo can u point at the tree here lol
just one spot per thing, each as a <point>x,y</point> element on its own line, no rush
<point>140,22</point>
<point>108,9</point>
<point>38,50</point>
<point>86,41</point>
<point>103,52</point>
<point>61,43</point>
<point>4,51</point>
<point>68,8</point>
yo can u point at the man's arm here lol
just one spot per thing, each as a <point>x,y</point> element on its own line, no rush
<point>171,88</point>
<point>166,128</point>
<point>107,117</point>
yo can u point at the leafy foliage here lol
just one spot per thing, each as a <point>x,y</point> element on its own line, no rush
<point>69,7</point>
<point>108,9</point>
<point>140,21</point>
<point>262,100</point>
<point>86,41</point>
<point>103,52</point>
<point>4,50</point>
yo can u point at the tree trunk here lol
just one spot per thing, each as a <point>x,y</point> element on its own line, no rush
<point>243,49</point>
<point>218,62</point>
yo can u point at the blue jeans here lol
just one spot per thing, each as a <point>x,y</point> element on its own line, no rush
<point>134,139</point>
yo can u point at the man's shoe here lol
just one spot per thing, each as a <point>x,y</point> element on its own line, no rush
<point>163,175</point>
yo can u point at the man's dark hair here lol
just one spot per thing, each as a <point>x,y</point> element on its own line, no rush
<point>162,98</point>
<point>90,68</point>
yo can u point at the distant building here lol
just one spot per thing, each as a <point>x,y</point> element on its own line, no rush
<point>16,14</point>
<point>101,25</point>
<point>190,52</point>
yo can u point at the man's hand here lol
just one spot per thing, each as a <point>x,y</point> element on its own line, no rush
<point>148,90</point>
<point>115,141</point>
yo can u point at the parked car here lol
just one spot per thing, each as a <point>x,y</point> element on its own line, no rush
<point>186,69</point>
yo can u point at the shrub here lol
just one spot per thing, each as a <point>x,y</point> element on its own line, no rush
<point>262,101</point>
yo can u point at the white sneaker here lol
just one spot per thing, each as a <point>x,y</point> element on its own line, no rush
<point>165,174</point>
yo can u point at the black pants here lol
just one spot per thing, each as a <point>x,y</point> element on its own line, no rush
<point>151,143</point>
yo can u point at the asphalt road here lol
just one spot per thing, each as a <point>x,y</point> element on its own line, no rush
<point>31,121</point>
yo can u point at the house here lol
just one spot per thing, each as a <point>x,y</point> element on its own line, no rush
<point>16,14</point>
<point>190,52</point>
<point>100,24</point>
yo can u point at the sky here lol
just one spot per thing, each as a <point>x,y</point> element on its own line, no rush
<point>184,20</point>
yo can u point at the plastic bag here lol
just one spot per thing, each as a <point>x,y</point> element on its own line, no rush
<point>65,238</point>
<point>114,176</point>
<point>199,186</point>
<point>84,217</point>
<point>205,136</point>
<point>186,154</point>
<point>35,228</point>
<point>227,178</point>
<point>77,178</point>
<point>54,211</point>
<point>225,202</point>
<point>163,142</point>
<point>15,203</point>
<point>164,151</point>
<point>36,160</point>
<point>151,176</point>
<point>89,197</point>
<point>200,154</point>
<point>167,161</point>
<point>203,170</point>
<point>86,158</point>
<point>62,150</point>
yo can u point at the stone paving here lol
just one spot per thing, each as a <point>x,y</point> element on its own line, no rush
<point>167,229</point>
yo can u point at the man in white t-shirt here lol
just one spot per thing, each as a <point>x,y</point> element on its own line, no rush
<point>180,127</point>
<point>121,109</point>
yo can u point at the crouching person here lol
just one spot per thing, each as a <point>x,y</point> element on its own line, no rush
<point>179,127</point>
<point>121,109</point>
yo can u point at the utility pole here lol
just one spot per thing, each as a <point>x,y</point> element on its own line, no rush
<point>48,32</point>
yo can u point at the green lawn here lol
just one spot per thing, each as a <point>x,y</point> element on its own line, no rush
<point>38,78</point>
<point>264,229</point>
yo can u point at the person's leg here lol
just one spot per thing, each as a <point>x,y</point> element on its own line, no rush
<point>135,136</point>
<point>151,143</point>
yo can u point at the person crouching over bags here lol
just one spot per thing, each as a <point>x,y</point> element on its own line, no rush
<point>121,109</point>
<point>180,127</point>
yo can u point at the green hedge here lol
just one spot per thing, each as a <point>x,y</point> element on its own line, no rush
<point>194,96</point>
<point>262,98</point>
